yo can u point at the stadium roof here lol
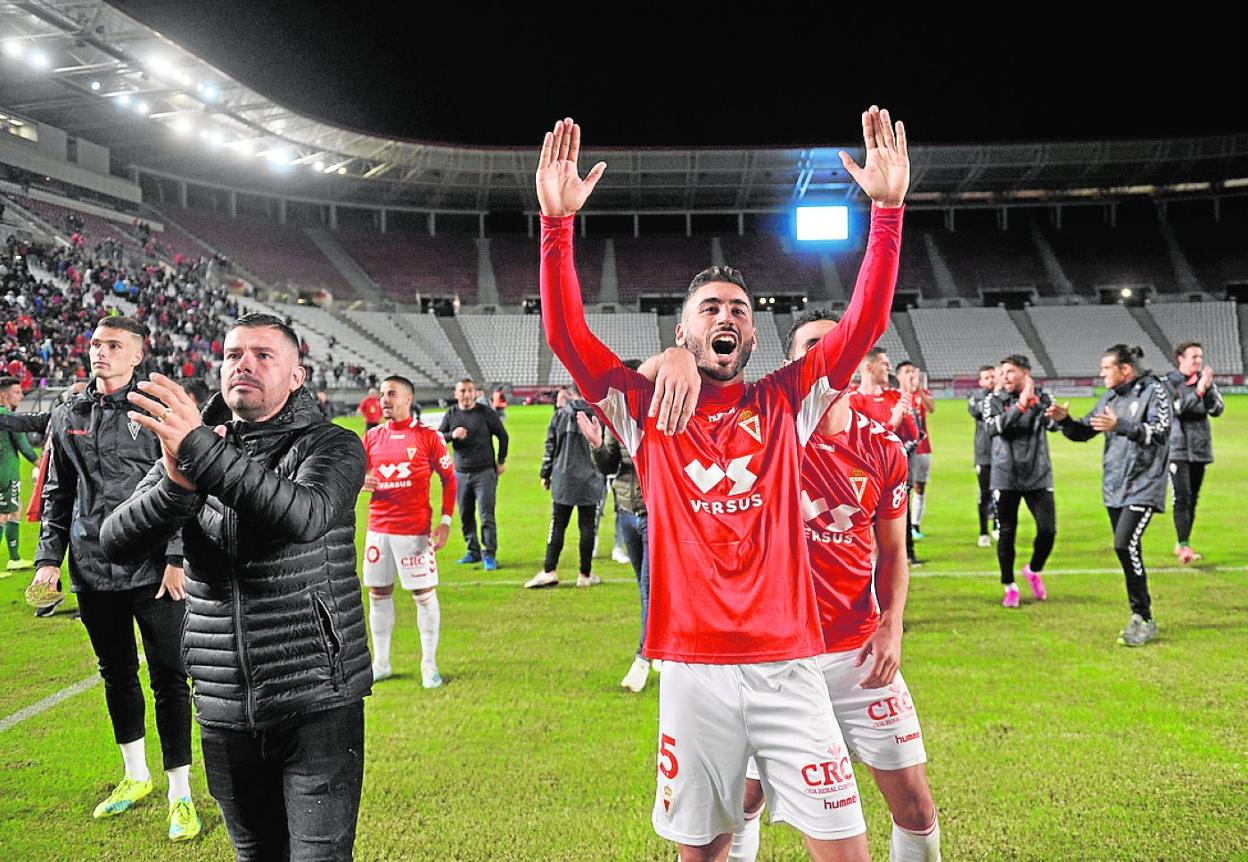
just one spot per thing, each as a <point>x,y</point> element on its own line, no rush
<point>84,67</point>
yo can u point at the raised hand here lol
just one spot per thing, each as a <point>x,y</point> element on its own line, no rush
<point>560,189</point>
<point>886,175</point>
<point>591,428</point>
<point>1058,412</point>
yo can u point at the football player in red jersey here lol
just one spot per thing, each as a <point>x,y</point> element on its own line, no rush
<point>854,491</point>
<point>402,457</point>
<point>732,609</point>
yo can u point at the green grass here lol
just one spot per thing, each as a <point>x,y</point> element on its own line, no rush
<point>1046,740</point>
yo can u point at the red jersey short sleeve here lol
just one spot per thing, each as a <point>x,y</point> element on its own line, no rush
<point>404,456</point>
<point>849,480</point>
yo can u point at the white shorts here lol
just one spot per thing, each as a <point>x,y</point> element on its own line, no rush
<point>713,718</point>
<point>920,467</point>
<point>410,556</point>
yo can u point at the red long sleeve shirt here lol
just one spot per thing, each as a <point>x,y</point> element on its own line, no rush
<point>730,579</point>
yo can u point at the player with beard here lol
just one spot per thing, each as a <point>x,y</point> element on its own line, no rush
<point>732,607</point>
<point>403,455</point>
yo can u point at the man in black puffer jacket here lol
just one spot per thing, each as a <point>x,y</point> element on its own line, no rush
<point>275,639</point>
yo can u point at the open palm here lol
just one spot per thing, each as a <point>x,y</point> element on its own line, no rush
<point>560,189</point>
<point>886,175</point>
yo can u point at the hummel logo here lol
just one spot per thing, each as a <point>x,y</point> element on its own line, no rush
<point>707,478</point>
<point>390,471</point>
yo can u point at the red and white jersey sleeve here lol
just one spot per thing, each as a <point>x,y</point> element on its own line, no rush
<point>880,408</point>
<point>729,577</point>
<point>849,481</point>
<point>403,457</point>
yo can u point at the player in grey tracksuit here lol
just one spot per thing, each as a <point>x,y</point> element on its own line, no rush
<point>1134,414</point>
<point>983,451</point>
<point>1196,399</point>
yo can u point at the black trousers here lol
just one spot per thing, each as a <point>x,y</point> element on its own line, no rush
<point>1186,477</point>
<point>984,502</point>
<point>109,619</point>
<point>1129,526</point>
<point>291,791</point>
<point>1040,503</point>
<point>586,522</point>
<point>478,490</point>
<point>909,527</point>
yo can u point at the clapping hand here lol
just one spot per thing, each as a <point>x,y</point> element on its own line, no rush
<point>1105,421</point>
<point>591,428</point>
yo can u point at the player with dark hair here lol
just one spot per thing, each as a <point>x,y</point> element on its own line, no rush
<point>1196,399</point>
<point>470,428</point>
<point>12,443</point>
<point>1014,420</point>
<point>732,608</point>
<point>909,385</point>
<point>853,501</point>
<point>1134,414</point>
<point>402,456</point>
<point>983,450</point>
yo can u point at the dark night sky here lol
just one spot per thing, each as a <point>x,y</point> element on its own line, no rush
<point>702,76</point>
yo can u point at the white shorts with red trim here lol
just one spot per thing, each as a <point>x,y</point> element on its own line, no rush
<point>411,557</point>
<point>713,718</point>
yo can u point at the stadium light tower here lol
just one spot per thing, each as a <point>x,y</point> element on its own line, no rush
<point>14,49</point>
<point>39,59</point>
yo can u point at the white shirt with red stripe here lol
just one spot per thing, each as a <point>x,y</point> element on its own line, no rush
<point>404,456</point>
<point>849,480</point>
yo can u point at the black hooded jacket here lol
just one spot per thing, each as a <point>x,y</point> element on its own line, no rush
<point>275,623</point>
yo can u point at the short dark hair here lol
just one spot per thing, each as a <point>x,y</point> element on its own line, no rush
<point>125,324</point>
<point>875,353</point>
<point>6,382</point>
<point>1184,346</point>
<point>1015,359</point>
<point>469,381</point>
<point>717,273</point>
<point>198,390</point>
<point>402,381</point>
<point>810,315</point>
<point>632,363</point>
<point>983,368</point>
<point>1124,355</point>
<point>902,364</point>
<point>260,319</point>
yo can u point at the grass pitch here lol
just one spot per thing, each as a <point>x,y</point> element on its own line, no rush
<point>1046,740</point>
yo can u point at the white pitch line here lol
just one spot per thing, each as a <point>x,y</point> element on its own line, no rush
<point>52,700</point>
<point>1212,570</point>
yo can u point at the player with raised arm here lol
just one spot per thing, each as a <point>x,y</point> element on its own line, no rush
<point>732,607</point>
<point>403,455</point>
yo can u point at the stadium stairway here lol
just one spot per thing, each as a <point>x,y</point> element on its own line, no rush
<point>1242,310</point>
<point>945,282</point>
<point>352,272</point>
<point>667,330</point>
<point>1149,325</point>
<point>455,335</point>
<point>833,288</point>
<point>487,282</point>
<point>905,328</point>
<point>1184,276</point>
<point>1028,330</point>
<point>610,290</point>
<point>235,265</point>
<point>545,360</point>
<point>398,362</point>
<point>1057,275</point>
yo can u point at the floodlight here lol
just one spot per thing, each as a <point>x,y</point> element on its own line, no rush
<point>95,86</point>
<point>318,165</point>
<point>13,49</point>
<point>39,60</point>
<point>822,223</point>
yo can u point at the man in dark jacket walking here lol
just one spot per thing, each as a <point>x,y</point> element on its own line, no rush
<point>469,426</point>
<point>1134,414</point>
<point>1015,423</point>
<point>275,639</point>
<point>98,455</point>
<point>983,450</point>
<point>569,473</point>
<point>1196,398</point>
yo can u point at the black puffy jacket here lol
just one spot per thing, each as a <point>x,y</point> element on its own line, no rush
<point>275,623</point>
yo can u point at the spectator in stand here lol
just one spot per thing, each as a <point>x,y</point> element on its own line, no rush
<point>468,427</point>
<point>569,473</point>
<point>370,409</point>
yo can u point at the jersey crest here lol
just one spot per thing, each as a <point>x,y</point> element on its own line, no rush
<point>750,424</point>
<point>858,481</point>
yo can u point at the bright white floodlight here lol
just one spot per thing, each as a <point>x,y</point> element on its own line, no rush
<point>822,224</point>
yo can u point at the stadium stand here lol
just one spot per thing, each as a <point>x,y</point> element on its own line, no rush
<point>894,346</point>
<point>1217,253</point>
<point>954,340</point>
<point>406,263</point>
<point>631,336</point>
<point>991,259</point>
<point>769,267</point>
<point>505,345</point>
<point>450,365</point>
<point>659,264</point>
<point>1094,257</point>
<point>1076,336</point>
<point>280,254</point>
<point>1213,324</point>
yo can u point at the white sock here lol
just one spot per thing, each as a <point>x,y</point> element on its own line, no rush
<point>907,846</point>
<point>429,623</point>
<point>916,510</point>
<point>1011,588</point>
<point>381,620</point>
<point>179,782</point>
<point>133,757</point>
<point>744,846</point>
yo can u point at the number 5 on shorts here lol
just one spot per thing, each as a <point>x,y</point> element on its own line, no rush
<point>668,765</point>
